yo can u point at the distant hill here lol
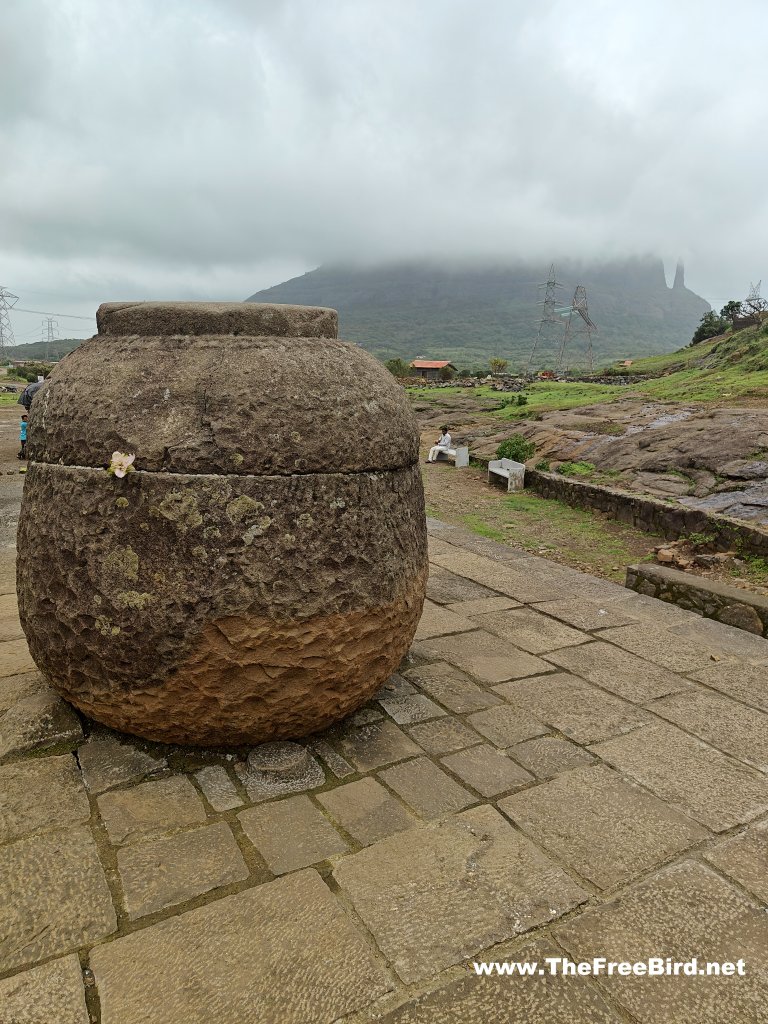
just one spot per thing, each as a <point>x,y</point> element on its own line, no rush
<point>742,352</point>
<point>468,314</point>
<point>40,349</point>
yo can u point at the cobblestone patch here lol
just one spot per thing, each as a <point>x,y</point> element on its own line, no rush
<point>291,834</point>
<point>41,794</point>
<point>483,655</point>
<point>487,770</point>
<point>367,811</point>
<point>546,756</point>
<point>745,858</point>
<point>429,791</point>
<point>108,762</point>
<point>51,994</point>
<point>150,809</point>
<point>617,670</point>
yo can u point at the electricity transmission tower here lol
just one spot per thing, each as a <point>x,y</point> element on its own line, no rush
<point>7,301</point>
<point>549,313</point>
<point>49,334</point>
<point>579,325</point>
<point>754,304</point>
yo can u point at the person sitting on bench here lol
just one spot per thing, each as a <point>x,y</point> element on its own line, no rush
<point>443,443</point>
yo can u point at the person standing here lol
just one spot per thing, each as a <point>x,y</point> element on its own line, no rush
<point>23,437</point>
<point>442,443</point>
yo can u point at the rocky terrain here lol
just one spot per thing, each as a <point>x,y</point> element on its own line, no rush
<point>708,457</point>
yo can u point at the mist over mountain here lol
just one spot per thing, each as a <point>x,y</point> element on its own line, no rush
<point>470,313</point>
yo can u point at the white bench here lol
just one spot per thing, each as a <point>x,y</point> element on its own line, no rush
<point>460,456</point>
<point>506,469</point>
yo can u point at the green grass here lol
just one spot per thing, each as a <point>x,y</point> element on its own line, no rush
<point>476,525</point>
<point>7,399</point>
<point>582,469</point>
<point>754,570</point>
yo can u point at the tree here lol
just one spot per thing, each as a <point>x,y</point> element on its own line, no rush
<point>398,367</point>
<point>731,310</point>
<point>446,373</point>
<point>497,365</point>
<point>710,326</point>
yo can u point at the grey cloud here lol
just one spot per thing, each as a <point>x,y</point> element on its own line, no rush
<point>195,149</point>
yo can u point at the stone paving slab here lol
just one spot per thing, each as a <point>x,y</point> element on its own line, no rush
<point>483,605</point>
<point>15,688</point>
<point>291,834</point>
<point>54,897</point>
<point>150,809</point>
<point>427,789</point>
<point>438,621</point>
<point>747,683</point>
<point>51,994</point>
<point>617,670</point>
<point>530,630</point>
<point>163,872</point>
<point>376,745</point>
<point>366,810</point>
<point>444,736</point>
<point>600,825</point>
<point>284,951</point>
<point>745,858</point>
<point>108,762</point>
<point>587,615</point>
<point>15,658</point>
<point>654,645</point>
<point>435,895</point>
<point>38,720</point>
<point>580,711</point>
<point>738,730</point>
<point>41,794</point>
<point>504,725</point>
<point>446,587</point>
<point>410,708</point>
<point>687,773</point>
<point>682,912</point>
<point>487,770</point>
<point>546,756</point>
<point>719,636</point>
<point>513,581</point>
<point>452,687</point>
<point>539,999</point>
<point>483,655</point>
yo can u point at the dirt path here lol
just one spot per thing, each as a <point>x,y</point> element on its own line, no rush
<point>584,540</point>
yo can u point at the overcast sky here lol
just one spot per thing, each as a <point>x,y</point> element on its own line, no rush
<point>209,148</point>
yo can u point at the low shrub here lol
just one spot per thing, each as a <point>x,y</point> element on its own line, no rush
<point>517,448</point>
<point>576,468</point>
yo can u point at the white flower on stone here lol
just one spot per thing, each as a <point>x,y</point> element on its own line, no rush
<point>121,464</point>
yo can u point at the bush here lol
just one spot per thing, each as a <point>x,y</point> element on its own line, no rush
<point>576,468</point>
<point>522,399</point>
<point>543,466</point>
<point>398,368</point>
<point>517,448</point>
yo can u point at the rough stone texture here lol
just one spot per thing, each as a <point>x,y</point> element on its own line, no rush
<point>218,789</point>
<point>579,710</point>
<point>54,897</point>
<point>150,809</point>
<point>41,794</point>
<point>107,762</point>
<point>277,769</point>
<point>430,792</point>
<point>226,628</point>
<point>39,719</point>
<point>604,828</point>
<point>616,670</point>
<point>411,707</point>
<point>51,994</point>
<point>745,858</point>
<point>444,735</point>
<point>367,811</point>
<point>586,614</point>
<point>517,582</point>
<point>247,957</point>
<point>504,725</point>
<point>187,404</point>
<point>448,588</point>
<point>748,683</point>
<point>160,873</point>
<point>738,730</point>
<point>375,745</point>
<point>291,834</point>
<point>452,687</point>
<point>530,630</point>
<point>251,318</point>
<point>435,895</point>
<point>546,756</point>
<point>483,655</point>
<point>682,912</point>
<point>734,607</point>
<point>483,606</point>
<point>487,770</point>
<point>654,645</point>
<point>340,768</point>
<point>502,1000</point>
<point>437,621</point>
<point>707,785</point>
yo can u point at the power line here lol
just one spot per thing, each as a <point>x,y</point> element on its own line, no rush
<point>44,312</point>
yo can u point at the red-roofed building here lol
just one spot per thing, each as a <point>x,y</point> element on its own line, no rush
<point>430,369</point>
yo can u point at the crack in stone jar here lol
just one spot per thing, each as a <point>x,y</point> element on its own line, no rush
<point>262,572</point>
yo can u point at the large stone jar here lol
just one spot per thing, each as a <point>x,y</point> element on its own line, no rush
<point>262,571</point>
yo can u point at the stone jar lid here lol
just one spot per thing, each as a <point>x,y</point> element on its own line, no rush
<point>224,388</point>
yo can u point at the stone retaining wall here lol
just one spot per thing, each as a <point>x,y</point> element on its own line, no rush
<point>651,514</point>
<point>711,599</point>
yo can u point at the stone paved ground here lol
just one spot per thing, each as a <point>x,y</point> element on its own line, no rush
<point>561,767</point>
